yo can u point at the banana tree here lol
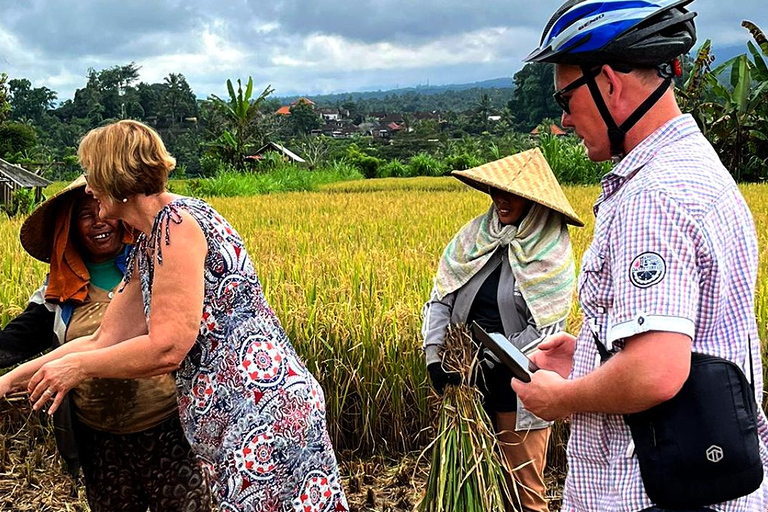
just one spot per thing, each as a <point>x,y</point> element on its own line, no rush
<point>733,115</point>
<point>241,114</point>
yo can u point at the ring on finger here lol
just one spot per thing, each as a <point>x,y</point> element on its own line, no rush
<point>48,392</point>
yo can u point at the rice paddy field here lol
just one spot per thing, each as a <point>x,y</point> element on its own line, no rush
<point>347,270</point>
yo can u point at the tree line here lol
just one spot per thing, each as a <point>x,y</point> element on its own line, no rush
<point>730,103</point>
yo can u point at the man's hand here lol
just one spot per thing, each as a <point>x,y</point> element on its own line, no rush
<point>545,396</point>
<point>555,353</point>
<point>440,378</point>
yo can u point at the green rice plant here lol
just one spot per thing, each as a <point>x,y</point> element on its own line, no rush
<point>282,178</point>
<point>468,471</point>
<point>569,161</point>
<point>425,164</point>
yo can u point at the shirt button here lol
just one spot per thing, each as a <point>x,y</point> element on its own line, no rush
<point>640,320</point>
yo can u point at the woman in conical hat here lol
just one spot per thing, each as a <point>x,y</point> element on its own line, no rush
<point>192,303</point>
<point>511,270</point>
<point>125,434</point>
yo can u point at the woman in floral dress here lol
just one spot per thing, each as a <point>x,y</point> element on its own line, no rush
<point>191,302</point>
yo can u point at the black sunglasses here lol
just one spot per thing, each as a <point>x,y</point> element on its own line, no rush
<point>560,95</point>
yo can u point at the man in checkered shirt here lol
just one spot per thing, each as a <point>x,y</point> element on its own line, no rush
<point>673,263</point>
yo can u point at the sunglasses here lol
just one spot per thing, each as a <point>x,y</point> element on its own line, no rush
<point>564,101</point>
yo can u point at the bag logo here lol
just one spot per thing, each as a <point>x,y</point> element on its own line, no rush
<point>714,453</point>
<point>647,269</point>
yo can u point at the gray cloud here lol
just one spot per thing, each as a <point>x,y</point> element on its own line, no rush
<point>299,46</point>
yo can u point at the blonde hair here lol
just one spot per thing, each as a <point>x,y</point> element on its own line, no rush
<point>124,159</point>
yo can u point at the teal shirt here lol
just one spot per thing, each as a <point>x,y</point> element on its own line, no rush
<point>105,275</point>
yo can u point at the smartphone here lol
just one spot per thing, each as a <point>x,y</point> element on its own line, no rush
<point>510,355</point>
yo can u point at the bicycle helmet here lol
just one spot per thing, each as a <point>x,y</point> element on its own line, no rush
<point>623,34</point>
<point>636,33</point>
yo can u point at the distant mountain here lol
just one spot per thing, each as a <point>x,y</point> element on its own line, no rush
<point>329,99</point>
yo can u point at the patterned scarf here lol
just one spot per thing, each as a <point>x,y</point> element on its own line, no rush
<point>540,257</point>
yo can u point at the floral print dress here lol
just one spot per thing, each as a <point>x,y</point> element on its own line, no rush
<point>251,410</point>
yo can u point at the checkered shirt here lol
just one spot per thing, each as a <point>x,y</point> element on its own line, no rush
<point>675,250</point>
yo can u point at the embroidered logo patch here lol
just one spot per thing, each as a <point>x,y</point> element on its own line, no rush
<point>647,269</point>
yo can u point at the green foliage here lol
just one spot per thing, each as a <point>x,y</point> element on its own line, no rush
<point>569,162</point>
<point>730,104</point>
<point>303,118</point>
<point>367,165</point>
<point>424,164</point>
<point>16,138</point>
<point>283,178</point>
<point>462,161</point>
<point>27,102</point>
<point>393,169</point>
<point>532,99</point>
<point>5,106</point>
<point>240,113</point>
<point>22,203</point>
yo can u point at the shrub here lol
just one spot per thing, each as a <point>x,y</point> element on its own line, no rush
<point>424,164</point>
<point>569,160</point>
<point>393,169</point>
<point>22,202</point>
<point>462,161</point>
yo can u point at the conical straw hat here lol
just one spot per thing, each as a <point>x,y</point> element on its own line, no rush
<point>525,174</point>
<point>37,231</point>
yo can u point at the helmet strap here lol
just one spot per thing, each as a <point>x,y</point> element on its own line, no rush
<point>616,134</point>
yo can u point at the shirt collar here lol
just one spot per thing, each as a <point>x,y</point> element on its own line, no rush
<point>669,133</point>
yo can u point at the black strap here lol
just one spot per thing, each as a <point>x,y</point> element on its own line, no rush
<point>616,134</point>
<point>605,354</point>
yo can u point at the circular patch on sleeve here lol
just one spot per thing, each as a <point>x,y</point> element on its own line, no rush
<point>647,269</point>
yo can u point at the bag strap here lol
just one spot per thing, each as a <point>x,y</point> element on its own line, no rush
<point>606,354</point>
<point>751,365</point>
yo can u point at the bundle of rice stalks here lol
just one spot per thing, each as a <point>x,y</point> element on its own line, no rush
<point>468,470</point>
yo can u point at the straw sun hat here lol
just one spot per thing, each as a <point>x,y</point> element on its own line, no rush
<point>37,231</point>
<point>525,174</point>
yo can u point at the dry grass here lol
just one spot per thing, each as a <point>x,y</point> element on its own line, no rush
<point>347,274</point>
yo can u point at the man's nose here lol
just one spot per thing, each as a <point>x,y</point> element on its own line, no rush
<point>565,120</point>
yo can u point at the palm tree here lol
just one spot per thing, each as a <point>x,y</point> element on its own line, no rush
<point>240,113</point>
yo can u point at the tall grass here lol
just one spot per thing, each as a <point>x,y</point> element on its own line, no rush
<point>347,274</point>
<point>569,161</point>
<point>283,178</point>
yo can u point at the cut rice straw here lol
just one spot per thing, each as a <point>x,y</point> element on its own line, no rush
<point>468,471</point>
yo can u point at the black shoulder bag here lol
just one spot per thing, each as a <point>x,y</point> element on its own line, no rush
<point>700,447</point>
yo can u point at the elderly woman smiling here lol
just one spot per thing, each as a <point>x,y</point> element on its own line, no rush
<point>125,433</point>
<point>192,303</point>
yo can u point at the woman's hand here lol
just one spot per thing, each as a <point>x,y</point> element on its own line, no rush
<point>53,380</point>
<point>6,385</point>
<point>555,353</point>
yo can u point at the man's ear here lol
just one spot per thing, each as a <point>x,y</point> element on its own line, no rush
<point>615,85</point>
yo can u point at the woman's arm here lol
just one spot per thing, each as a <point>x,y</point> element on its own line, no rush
<point>176,309</point>
<point>436,317</point>
<point>29,334</point>
<point>123,319</point>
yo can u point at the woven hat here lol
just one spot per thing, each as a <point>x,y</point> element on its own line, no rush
<point>525,174</point>
<point>37,231</point>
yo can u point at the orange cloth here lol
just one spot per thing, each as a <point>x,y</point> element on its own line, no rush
<point>68,278</point>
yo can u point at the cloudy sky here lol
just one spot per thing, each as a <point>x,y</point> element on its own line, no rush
<point>298,46</point>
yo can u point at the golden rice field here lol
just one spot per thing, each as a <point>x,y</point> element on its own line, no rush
<point>347,270</point>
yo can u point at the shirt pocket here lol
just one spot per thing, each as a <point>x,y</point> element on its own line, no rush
<point>591,278</point>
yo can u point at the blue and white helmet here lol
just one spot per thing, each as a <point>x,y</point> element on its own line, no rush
<point>642,33</point>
